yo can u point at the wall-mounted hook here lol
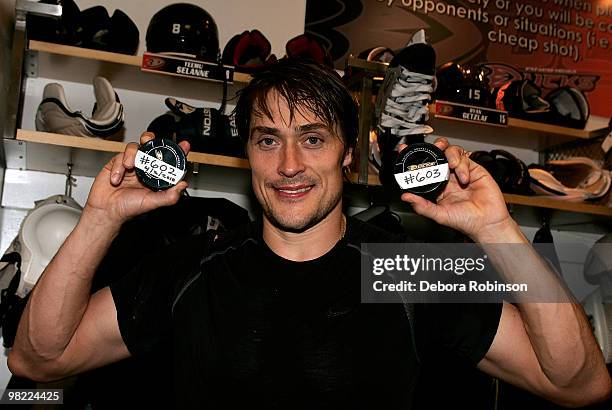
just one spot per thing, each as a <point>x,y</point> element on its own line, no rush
<point>70,180</point>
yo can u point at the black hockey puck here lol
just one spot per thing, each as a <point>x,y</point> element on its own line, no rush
<point>422,169</point>
<point>160,164</point>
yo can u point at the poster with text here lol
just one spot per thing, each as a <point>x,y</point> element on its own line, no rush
<point>560,42</point>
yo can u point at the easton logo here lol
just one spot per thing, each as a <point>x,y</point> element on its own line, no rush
<point>233,128</point>
<point>206,122</point>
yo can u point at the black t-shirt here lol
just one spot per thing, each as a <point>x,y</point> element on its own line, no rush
<point>244,327</point>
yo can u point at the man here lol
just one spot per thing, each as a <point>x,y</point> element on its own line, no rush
<point>271,315</point>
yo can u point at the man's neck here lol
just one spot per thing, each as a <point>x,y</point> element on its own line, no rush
<point>310,244</point>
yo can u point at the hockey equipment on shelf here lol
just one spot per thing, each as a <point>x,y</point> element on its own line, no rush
<point>62,30</point>
<point>92,28</point>
<point>206,129</point>
<point>573,179</point>
<point>465,85</point>
<point>521,98</point>
<point>116,33</point>
<point>164,126</point>
<point>248,51</point>
<point>309,47</point>
<point>510,173</point>
<point>564,106</point>
<point>377,54</point>
<point>569,107</point>
<point>184,30</point>
<point>55,115</point>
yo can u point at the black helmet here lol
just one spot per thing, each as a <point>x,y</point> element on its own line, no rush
<point>570,107</point>
<point>522,99</point>
<point>467,85</point>
<point>65,29</point>
<point>90,28</point>
<point>184,29</point>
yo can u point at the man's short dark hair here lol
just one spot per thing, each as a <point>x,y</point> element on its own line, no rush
<point>303,85</point>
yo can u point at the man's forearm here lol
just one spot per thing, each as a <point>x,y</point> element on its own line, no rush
<point>60,297</point>
<point>559,332</point>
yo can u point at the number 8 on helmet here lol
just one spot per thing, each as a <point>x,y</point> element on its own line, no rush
<point>184,30</point>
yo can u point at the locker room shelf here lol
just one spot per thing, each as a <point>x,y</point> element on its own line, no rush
<point>547,202</point>
<point>377,70</point>
<point>95,144</point>
<point>50,152</point>
<point>71,51</point>
<point>536,127</point>
<point>555,129</point>
<point>530,210</point>
<point>103,56</point>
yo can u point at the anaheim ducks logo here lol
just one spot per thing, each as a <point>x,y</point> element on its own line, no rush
<point>547,79</point>
<point>152,62</point>
<point>443,109</point>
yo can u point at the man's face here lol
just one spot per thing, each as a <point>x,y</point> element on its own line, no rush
<point>296,166</point>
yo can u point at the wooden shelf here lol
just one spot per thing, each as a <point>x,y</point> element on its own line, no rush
<point>550,203</point>
<point>555,129</point>
<point>104,56</point>
<point>69,141</point>
<point>97,144</point>
<point>537,127</point>
<point>534,201</point>
<point>91,153</point>
<point>86,53</point>
<point>378,69</point>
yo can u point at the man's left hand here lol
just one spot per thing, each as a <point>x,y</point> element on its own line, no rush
<point>471,202</point>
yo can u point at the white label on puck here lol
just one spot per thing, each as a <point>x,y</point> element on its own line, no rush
<point>423,176</point>
<point>158,169</point>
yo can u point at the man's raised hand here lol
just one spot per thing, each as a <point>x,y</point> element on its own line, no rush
<point>117,195</point>
<point>471,202</point>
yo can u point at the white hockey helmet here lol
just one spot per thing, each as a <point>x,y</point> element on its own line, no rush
<point>42,232</point>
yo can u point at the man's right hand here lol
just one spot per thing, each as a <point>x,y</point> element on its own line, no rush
<point>64,330</point>
<point>118,195</point>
